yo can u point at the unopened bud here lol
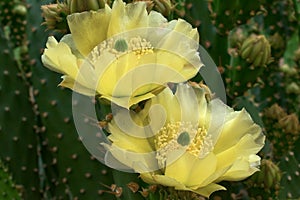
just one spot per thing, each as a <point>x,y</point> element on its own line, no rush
<point>290,71</point>
<point>236,37</point>
<point>256,50</point>
<point>77,6</point>
<point>269,175</point>
<point>163,6</point>
<point>293,88</point>
<point>297,55</point>
<point>20,10</point>
<point>290,124</point>
<point>277,41</point>
<point>55,17</point>
<point>275,112</point>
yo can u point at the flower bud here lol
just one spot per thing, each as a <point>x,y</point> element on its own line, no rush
<point>293,88</point>
<point>256,50</point>
<point>275,112</point>
<point>163,6</point>
<point>236,37</point>
<point>290,71</point>
<point>277,41</point>
<point>85,5</point>
<point>20,10</point>
<point>269,175</point>
<point>290,124</point>
<point>297,55</point>
<point>55,16</point>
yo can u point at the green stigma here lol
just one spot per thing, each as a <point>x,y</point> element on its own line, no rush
<point>183,139</point>
<point>121,45</point>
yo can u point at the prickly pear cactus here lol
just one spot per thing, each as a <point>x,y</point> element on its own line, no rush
<point>19,148</point>
<point>255,45</point>
<point>8,189</point>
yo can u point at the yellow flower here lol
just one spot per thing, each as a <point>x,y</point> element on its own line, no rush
<point>185,141</point>
<point>123,54</point>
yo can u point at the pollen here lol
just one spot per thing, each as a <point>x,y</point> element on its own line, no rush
<point>140,46</point>
<point>181,136</point>
<point>137,45</point>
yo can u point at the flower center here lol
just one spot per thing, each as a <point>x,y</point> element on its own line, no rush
<point>184,137</point>
<point>139,46</point>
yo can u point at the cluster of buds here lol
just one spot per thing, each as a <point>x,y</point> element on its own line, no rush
<point>55,16</point>
<point>287,123</point>
<point>256,50</point>
<point>283,129</point>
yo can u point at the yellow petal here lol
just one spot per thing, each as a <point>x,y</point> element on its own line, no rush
<point>59,58</point>
<point>152,178</point>
<point>185,28</point>
<point>169,105</point>
<point>209,189</point>
<point>244,148</point>
<point>240,170</point>
<point>68,39</point>
<point>70,83</point>
<point>156,19</point>
<point>206,191</point>
<point>189,103</point>
<point>89,28</point>
<point>51,42</point>
<point>214,119</point>
<point>127,102</point>
<point>183,41</point>
<point>127,17</point>
<point>126,160</point>
<point>134,76</point>
<point>125,141</point>
<point>190,170</point>
<point>236,125</point>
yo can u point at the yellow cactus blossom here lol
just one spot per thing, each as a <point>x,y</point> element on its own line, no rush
<point>186,141</point>
<point>123,54</point>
